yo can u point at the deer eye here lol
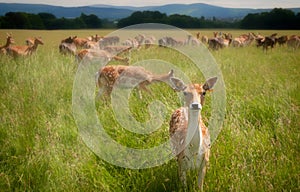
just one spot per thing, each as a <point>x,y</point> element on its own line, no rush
<point>204,93</point>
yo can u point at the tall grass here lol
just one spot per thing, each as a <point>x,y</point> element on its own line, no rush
<point>258,148</point>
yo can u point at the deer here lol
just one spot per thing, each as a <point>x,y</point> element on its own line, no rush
<point>109,40</point>
<point>24,50</point>
<point>9,41</point>
<point>114,49</point>
<point>204,39</point>
<point>94,55</point>
<point>194,154</point>
<point>293,42</point>
<point>243,40</point>
<point>67,46</point>
<point>129,77</point>
<point>79,42</point>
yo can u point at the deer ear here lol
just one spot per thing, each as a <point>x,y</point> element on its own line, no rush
<point>210,83</point>
<point>177,84</point>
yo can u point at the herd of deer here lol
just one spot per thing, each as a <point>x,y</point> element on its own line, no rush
<point>221,40</point>
<point>20,50</point>
<point>191,153</point>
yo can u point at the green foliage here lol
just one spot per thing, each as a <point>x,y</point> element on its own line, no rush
<point>278,18</point>
<point>20,20</point>
<point>182,21</point>
<point>91,21</point>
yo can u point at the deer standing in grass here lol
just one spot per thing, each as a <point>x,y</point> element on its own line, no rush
<point>129,77</point>
<point>9,41</point>
<point>24,50</point>
<point>193,154</point>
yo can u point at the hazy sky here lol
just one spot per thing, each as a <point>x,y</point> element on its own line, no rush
<point>223,3</point>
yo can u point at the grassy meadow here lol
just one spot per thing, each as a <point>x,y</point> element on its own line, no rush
<point>258,148</point>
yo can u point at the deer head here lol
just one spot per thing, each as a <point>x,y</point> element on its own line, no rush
<point>194,92</point>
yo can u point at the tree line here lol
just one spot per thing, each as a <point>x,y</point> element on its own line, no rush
<point>21,20</point>
<point>181,21</point>
<point>277,18</point>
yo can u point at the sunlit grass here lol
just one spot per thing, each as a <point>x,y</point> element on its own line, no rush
<point>257,149</point>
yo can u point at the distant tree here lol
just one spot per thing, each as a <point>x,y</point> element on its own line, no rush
<point>35,21</point>
<point>48,20</point>
<point>277,18</point>
<point>184,21</point>
<point>91,21</point>
<point>16,20</point>
<point>177,20</point>
<point>297,24</point>
<point>20,20</point>
<point>143,17</point>
<point>281,19</point>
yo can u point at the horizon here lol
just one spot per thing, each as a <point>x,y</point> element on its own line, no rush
<point>226,4</point>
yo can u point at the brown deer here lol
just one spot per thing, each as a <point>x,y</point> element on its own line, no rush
<point>24,50</point>
<point>95,55</point>
<point>9,41</point>
<point>80,42</point>
<point>67,46</point>
<point>294,42</point>
<point>192,150</point>
<point>129,77</point>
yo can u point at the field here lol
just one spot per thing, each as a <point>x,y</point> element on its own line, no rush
<point>258,148</point>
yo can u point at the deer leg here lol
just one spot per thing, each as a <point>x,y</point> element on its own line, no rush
<point>182,173</point>
<point>103,91</point>
<point>143,86</point>
<point>202,170</point>
<point>181,169</point>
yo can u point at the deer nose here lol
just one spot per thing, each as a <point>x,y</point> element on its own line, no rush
<point>196,106</point>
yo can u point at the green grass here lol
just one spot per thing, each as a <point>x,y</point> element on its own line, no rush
<point>258,148</point>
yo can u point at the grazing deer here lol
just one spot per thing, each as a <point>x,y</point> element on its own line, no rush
<point>24,50</point>
<point>79,42</point>
<point>117,49</point>
<point>9,41</point>
<point>293,42</point>
<point>204,39</point>
<point>243,40</point>
<point>67,46</point>
<point>129,77</point>
<point>193,154</point>
<point>69,39</point>
<point>94,55</point>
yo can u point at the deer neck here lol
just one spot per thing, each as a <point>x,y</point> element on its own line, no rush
<point>6,45</point>
<point>34,46</point>
<point>163,78</point>
<point>193,136</point>
<point>8,42</point>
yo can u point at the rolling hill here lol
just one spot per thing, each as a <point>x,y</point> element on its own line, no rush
<point>117,12</point>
